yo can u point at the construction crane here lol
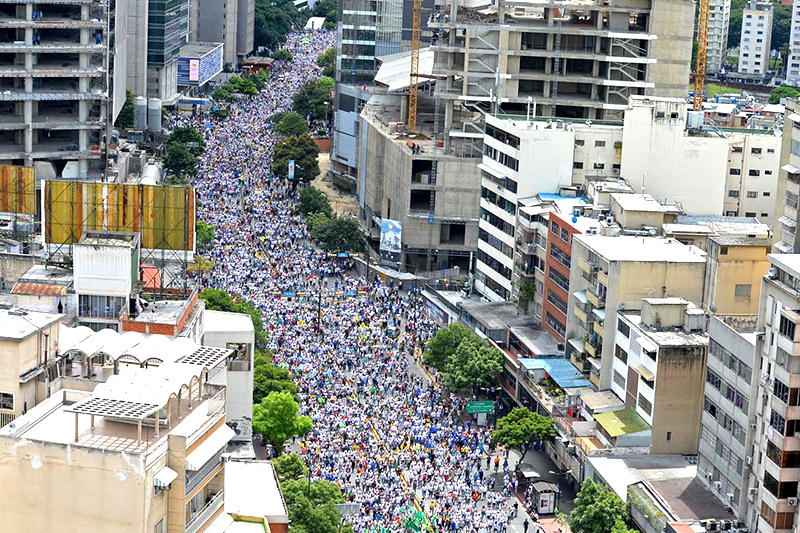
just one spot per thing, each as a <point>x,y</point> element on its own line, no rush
<point>413,88</point>
<point>702,47</point>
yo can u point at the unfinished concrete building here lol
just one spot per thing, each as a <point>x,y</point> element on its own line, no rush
<point>58,95</point>
<point>578,59</point>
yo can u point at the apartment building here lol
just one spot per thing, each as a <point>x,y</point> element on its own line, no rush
<point>63,84</point>
<point>609,272</point>
<point>730,400</point>
<point>230,22</point>
<point>659,370</point>
<point>788,190</point>
<point>754,161</point>
<point>776,456</point>
<point>734,269</point>
<point>793,68</point>
<point>754,47</point>
<point>580,61</point>
<point>719,15</point>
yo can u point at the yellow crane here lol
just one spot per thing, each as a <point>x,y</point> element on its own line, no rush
<point>702,47</point>
<point>413,88</point>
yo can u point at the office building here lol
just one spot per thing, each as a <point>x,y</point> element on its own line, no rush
<point>754,47</point>
<point>609,272</point>
<point>63,84</point>
<point>719,15</point>
<point>730,401</point>
<point>230,22</point>
<point>793,68</point>
<point>586,61</point>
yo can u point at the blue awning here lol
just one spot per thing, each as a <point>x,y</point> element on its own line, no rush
<point>581,296</point>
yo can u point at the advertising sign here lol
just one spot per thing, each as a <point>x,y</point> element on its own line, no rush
<point>291,170</point>
<point>391,242</point>
<point>194,70</point>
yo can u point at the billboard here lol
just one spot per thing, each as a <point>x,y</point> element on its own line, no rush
<point>164,216</point>
<point>17,190</point>
<point>391,242</point>
<point>194,70</point>
<point>199,62</point>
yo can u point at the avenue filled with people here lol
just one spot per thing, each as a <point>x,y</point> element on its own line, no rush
<point>390,437</point>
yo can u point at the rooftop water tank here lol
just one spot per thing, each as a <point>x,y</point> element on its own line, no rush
<point>140,113</point>
<point>154,114</point>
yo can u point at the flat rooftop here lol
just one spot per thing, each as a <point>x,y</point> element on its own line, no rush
<point>242,500</point>
<point>161,312</point>
<point>196,49</point>
<point>640,202</point>
<point>622,422</point>
<point>642,249</point>
<point>18,325</point>
<point>687,229</point>
<point>395,70</point>
<point>110,238</point>
<point>47,274</point>
<point>743,226</point>
<point>603,399</point>
<point>787,262</point>
<point>560,369</point>
<point>536,339</point>
<point>216,321</point>
<point>729,240</point>
<point>667,337</point>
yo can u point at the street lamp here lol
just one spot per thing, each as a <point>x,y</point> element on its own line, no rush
<point>319,312</point>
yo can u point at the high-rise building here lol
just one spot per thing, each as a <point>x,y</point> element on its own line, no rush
<point>756,38</point>
<point>719,15</point>
<point>63,68</point>
<point>784,224</point>
<point>230,22</point>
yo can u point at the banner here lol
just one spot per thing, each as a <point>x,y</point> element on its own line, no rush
<point>391,240</point>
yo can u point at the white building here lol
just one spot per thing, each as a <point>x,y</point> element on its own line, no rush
<point>754,161</point>
<point>719,16</point>
<point>756,38</point>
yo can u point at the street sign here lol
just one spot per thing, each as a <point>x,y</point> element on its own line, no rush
<point>347,509</point>
<point>480,407</point>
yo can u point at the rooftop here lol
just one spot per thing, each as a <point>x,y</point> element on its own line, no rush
<point>228,322</point>
<point>642,249</point>
<point>47,274</point>
<point>18,325</point>
<point>242,500</point>
<point>161,312</point>
<point>746,226</point>
<point>623,422</point>
<point>667,336</point>
<point>195,49</point>
<point>110,238</point>
<point>560,369</point>
<point>536,339</point>
<point>687,229</point>
<point>789,263</point>
<point>640,202</point>
<point>728,240</point>
<point>673,476</point>
<point>603,399</point>
<point>44,289</point>
<point>395,70</point>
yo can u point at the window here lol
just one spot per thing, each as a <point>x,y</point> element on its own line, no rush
<point>554,228</point>
<point>557,301</point>
<point>764,215</point>
<point>599,144</point>
<point>645,405</point>
<point>736,149</point>
<point>6,401</point>
<point>713,379</point>
<point>752,194</point>
<point>559,279</point>
<point>623,328</point>
<point>579,142</point>
<point>599,166</point>
<point>159,527</point>
<point>710,408</point>
<point>733,194</point>
<point>735,172</point>
<point>557,326</point>
<point>770,151</point>
<point>577,165</point>
<point>564,235</point>
<point>669,435</point>
<point>777,422</point>
<point>787,327</point>
<point>620,354</point>
<point>723,250</point>
<point>766,193</point>
<point>755,150</point>
<point>750,214</point>
<point>742,291</point>
<point>753,172</point>
<point>619,379</point>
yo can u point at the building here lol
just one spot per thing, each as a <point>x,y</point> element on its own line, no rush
<point>776,459</point>
<point>754,47</point>
<point>734,269</point>
<point>788,190</point>
<point>609,272</point>
<point>583,63</point>
<point>659,370</point>
<point>793,59</point>
<point>729,404</point>
<point>229,22</point>
<point>719,16</point>
<point>698,229</point>
<point>63,85</point>
<point>753,168</point>
<point>198,63</point>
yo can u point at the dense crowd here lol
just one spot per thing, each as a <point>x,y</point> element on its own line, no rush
<point>387,436</point>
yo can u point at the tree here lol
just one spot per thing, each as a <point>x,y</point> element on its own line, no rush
<point>327,9</point>
<point>312,507</point>
<point>276,419</point>
<point>781,26</point>
<point>271,25</point>
<point>268,378</point>
<point>125,118</point>
<point>340,234</point>
<point>303,150</point>
<point>784,91</point>
<point>312,200</point>
<point>205,234</point>
<point>220,113</point>
<point>473,364</point>
<point>327,62</point>
<point>520,427</point>
<point>186,135</point>
<point>290,467</point>
<point>621,527</point>
<point>444,344</point>
<point>314,98</point>
<point>291,125</point>
<point>282,55</point>
<point>180,161</point>
<point>529,290</point>
<point>597,509</point>
<point>316,222</point>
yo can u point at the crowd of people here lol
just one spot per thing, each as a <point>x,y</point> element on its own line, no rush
<point>386,434</point>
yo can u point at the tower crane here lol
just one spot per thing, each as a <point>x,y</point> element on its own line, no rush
<point>413,88</point>
<point>702,47</point>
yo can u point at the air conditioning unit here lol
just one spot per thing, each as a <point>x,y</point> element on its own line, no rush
<point>709,475</point>
<point>748,461</point>
<point>791,502</point>
<point>718,485</point>
<point>765,396</point>
<point>772,273</point>
<point>753,490</point>
<point>711,525</point>
<point>753,425</point>
<point>725,525</point>
<point>730,499</point>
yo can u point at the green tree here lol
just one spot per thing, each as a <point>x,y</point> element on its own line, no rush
<point>621,527</point>
<point>186,135</point>
<point>327,62</point>
<point>291,125</point>
<point>205,233</point>
<point>327,9</point>
<point>276,419</point>
<point>529,290</point>
<point>597,509</point>
<point>218,300</point>
<point>268,378</point>
<point>314,98</point>
<point>444,344</point>
<point>781,25</point>
<point>474,364</point>
<point>125,117</point>
<point>282,55</point>
<point>784,91</point>
<point>290,467</point>
<point>316,222</point>
<point>520,427</point>
<point>303,150</point>
<point>735,23</point>
<point>271,25</point>
<point>313,511</point>
<point>340,234</point>
<point>220,113</point>
<point>312,200</point>
<point>180,161</point>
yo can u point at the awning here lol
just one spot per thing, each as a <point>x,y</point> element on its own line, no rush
<point>642,371</point>
<point>165,477</point>
<point>791,169</point>
<point>209,448</point>
<point>599,312</point>
<point>581,296</point>
<point>794,117</point>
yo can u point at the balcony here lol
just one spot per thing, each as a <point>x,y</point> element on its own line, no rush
<point>585,265</point>
<point>591,348</point>
<point>528,248</point>
<point>595,299</point>
<point>602,277</point>
<point>579,360</point>
<point>206,513</point>
<point>582,315</point>
<point>597,327</point>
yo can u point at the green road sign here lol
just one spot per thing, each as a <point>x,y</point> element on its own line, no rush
<point>480,407</point>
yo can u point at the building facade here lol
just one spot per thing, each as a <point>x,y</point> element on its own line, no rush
<point>754,47</point>
<point>719,16</point>
<point>230,22</point>
<point>784,225</point>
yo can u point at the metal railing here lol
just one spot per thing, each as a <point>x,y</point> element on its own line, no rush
<point>204,514</point>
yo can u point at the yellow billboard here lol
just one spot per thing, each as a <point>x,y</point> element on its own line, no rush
<point>17,190</point>
<point>164,216</point>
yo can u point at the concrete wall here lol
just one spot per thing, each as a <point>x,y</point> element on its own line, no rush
<point>12,266</point>
<point>755,196</point>
<point>679,399</point>
<point>742,265</point>
<point>103,270</point>
<point>673,22</point>
<point>17,357</point>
